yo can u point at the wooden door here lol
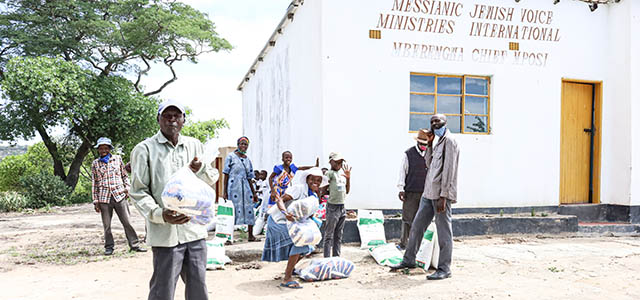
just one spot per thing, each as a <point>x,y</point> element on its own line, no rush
<point>576,142</point>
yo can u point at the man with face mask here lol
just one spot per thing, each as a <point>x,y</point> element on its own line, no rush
<point>413,171</point>
<point>440,191</point>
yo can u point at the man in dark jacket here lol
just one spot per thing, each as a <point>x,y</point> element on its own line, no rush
<point>413,171</point>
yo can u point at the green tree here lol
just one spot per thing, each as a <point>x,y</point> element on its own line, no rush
<point>65,64</point>
<point>204,130</point>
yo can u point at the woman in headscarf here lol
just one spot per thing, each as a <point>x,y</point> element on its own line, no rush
<point>278,245</point>
<point>238,172</point>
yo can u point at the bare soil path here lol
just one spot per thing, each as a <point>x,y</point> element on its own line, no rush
<point>59,256</point>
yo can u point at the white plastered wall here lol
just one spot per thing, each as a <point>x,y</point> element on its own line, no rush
<point>281,102</point>
<point>518,163</point>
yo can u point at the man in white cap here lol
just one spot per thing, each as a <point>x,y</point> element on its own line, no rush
<point>109,187</point>
<point>178,245</point>
<point>339,177</point>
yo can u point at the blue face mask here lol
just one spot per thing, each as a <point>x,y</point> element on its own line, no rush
<point>440,132</point>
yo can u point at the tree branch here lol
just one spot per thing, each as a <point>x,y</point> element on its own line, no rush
<point>137,84</point>
<point>166,83</point>
<point>58,168</point>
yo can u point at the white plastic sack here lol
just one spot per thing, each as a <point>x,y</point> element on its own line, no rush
<point>425,256</point>
<point>303,208</point>
<point>326,268</point>
<point>304,232</point>
<point>386,254</point>
<point>225,219</point>
<point>259,223</point>
<point>216,257</point>
<point>187,194</point>
<point>371,228</point>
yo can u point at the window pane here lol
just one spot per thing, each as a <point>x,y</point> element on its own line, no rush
<point>453,123</point>
<point>422,84</point>
<point>475,124</point>
<point>416,122</point>
<point>475,105</point>
<point>449,105</point>
<point>476,86</point>
<point>422,103</point>
<point>449,85</point>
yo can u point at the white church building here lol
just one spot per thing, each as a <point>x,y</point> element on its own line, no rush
<point>540,96</point>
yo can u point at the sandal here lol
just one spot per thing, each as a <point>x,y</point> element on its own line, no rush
<point>291,284</point>
<point>255,239</point>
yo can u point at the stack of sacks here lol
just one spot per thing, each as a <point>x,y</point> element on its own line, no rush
<point>187,194</point>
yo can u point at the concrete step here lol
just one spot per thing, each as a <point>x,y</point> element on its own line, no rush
<point>470,225</point>
<point>602,228</point>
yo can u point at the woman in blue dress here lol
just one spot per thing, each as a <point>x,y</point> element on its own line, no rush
<point>278,245</point>
<point>238,171</point>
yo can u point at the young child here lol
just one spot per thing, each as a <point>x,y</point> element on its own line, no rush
<point>339,185</point>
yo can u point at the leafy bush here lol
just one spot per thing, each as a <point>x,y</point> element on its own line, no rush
<point>34,161</point>
<point>45,190</point>
<point>12,201</point>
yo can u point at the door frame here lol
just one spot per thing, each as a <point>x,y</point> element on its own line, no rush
<point>597,138</point>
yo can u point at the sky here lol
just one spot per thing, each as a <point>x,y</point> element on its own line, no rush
<point>209,87</point>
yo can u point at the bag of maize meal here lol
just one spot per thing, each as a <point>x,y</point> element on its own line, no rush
<point>216,257</point>
<point>427,253</point>
<point>386,254</point>
<point>371,228</point>
<point>225,219</point>
<point>187,194</point>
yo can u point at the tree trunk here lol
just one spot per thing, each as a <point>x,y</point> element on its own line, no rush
<point>76,164</point>
<point>58,168</point>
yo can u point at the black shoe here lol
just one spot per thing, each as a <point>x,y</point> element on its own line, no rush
<point>437,275</point>
<point>108,251</point>
<point>138,249</point>
<point>401,266</point>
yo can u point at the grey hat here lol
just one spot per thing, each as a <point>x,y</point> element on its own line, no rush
<point>104,141</point>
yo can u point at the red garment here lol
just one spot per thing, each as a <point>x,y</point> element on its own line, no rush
<point>109,179</point>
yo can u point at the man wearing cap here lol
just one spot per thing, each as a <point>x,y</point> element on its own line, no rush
<point>440,191</point>
<point>413,171</point>
<point>339,177</point>
<point>109,187</point>
<point>178,245</point>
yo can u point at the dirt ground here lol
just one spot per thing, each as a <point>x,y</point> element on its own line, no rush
<point>58,255</point>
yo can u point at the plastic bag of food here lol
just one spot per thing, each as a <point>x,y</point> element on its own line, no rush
<point>216,257</point>
<point>371,228</point>
<point>304,232</point>
<point>187,194</point>
<point>386,254</point>
<point>303,208</point>
<point>326,269</point>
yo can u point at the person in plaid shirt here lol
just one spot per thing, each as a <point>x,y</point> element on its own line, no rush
<point>110,187</point>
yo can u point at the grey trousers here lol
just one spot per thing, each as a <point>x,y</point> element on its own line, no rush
<point>333,230</point>
<point>122,210</point>
<point>409,209</point>
<point>423,218</point>
<point>189,261</point>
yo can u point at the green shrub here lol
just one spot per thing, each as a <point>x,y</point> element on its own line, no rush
<point>34,161</point>
<point>12,201</point>
<point>45,190</point>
